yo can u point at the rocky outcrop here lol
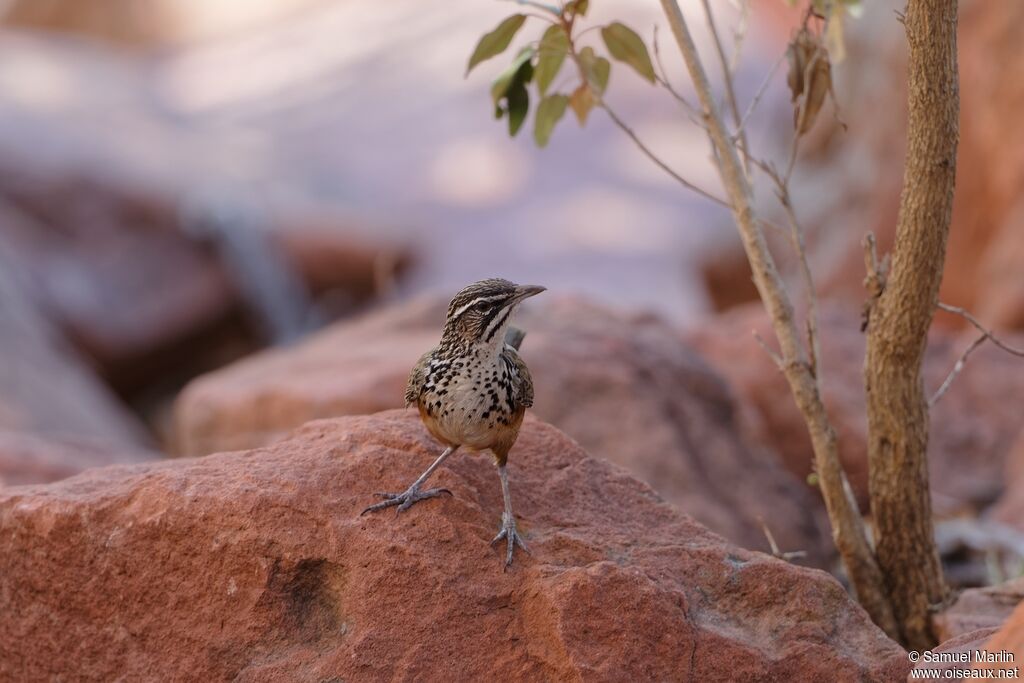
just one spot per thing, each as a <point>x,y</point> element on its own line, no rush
<point>56,418</point>
<point>622,385</point>
<point>151,286</point>
<point>972,426</point>
<point>257,565</point>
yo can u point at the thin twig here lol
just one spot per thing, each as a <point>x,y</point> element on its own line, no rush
<point>958,367</point>
<point>624,127</point>
<point>966,315</point>
<point>738,135</point>
<point>767,349</point>
<point>730,90</point>
<point>797,239</point>
<point>662,79</point>
<point>739,34</point>
<point>653,157</point>
<point>776,552</point>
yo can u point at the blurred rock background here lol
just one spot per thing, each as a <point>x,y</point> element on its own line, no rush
<point>183,184</point>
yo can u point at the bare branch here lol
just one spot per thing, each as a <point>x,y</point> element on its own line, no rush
<point>958,367</point>
<point>776,552</point>
<point>776,358</point>
<point>738,135</point>
<point>848,525</point>
<point>625,128</point>
<point>796,238</point>
<point>874,281</point>
<point>739,34</point>
<point>730,90</point>
<point>662,79</point>
<point>963,313</point>
<point>653,157</point>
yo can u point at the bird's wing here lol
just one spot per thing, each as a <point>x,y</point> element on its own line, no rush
<point>523,382</point>
<point>418,378</point>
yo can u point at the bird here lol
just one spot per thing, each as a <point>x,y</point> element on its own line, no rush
<point>472,391</point>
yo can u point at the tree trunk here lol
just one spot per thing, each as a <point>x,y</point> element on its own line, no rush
<point>899,322</point>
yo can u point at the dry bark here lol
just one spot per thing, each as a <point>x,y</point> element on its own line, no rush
<point>899,322</point>
<point>847,525</point>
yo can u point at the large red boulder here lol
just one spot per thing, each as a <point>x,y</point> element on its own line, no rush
<point>257,565</point>
<point>624,386</point>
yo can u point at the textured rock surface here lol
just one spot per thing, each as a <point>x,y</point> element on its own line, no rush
<point>979,608</point>
<point>257,566</point>
<point>954,649</point>
<point>623,386</point>
<point>1010,637</point>
<point>972,428</point>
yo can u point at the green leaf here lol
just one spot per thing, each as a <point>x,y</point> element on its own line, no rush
<point>625,45</point>
<point>549,111</point>
<point>497,41</point>
<point>577,7</point>
<point>510,87</point>
<point>597,69</point>
<point>518,68</point>
<point>518,106</point>
<point>554,46</point>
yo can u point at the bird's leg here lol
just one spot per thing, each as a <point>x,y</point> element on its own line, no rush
<point>508,521</point>
<point>412,495</point>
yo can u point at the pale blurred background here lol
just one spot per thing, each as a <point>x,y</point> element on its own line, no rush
<point>185,182</point>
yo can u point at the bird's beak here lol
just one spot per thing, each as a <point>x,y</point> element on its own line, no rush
<point>526,291</point>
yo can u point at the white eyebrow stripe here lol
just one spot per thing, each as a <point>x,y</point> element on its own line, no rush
<point>474,302</point>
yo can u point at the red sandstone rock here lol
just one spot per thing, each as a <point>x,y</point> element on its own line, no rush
<point>972,426</point>
<point>1010,639</point>
<point>979,608</point>
<point>257,566</point>
<point>623,386</point>
<point>956,649</point>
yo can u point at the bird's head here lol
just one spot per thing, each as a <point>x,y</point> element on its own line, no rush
<point>480,313</point>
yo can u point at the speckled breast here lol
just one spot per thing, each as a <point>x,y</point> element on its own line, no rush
<point>470,402</point>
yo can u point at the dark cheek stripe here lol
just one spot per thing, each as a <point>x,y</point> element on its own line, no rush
<point>498,325</point>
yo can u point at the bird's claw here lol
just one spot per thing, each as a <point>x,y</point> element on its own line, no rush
<point>508,531</point>
<point>404,500</point>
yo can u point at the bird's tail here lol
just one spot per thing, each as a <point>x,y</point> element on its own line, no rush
<point>514,337</point>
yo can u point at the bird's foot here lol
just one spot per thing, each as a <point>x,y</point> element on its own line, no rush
<point>508,531</point>
<point>404,500</point>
